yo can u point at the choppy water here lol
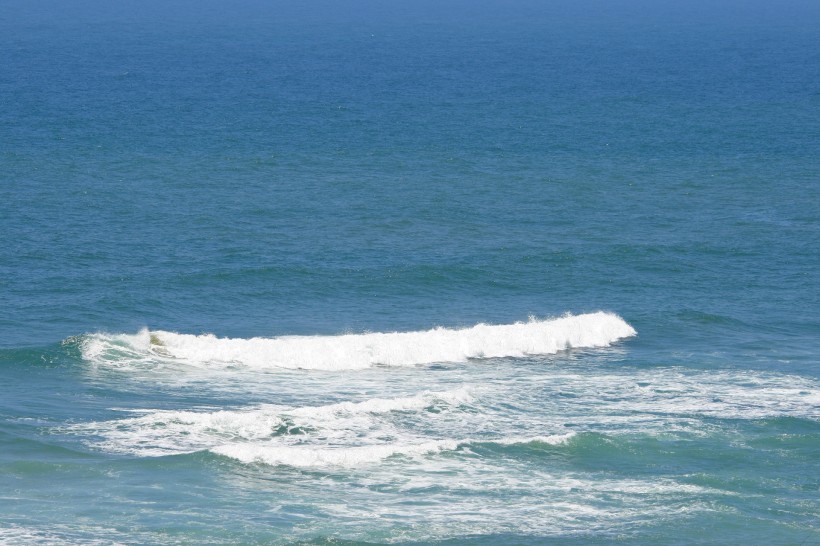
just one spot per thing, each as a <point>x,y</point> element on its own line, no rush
<point>360,273</point>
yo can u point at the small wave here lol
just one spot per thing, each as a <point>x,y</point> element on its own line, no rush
<point>359,351</point>
<point>553,439</point>
<point>116,349</point>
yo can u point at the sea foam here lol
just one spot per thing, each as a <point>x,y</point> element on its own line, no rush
<point>154,433</point>
<point>309,456</point>
<point>343,434</point>
<point>306,456</point>
<point>359,351</point>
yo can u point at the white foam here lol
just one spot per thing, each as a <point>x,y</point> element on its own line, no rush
<point>661,396</point>
<point>158,433</point>
<point>161,433</point>
<point>553,439</point>
<point>343,434</point>
<point>110,348</point>
<point>305,456</point>
<point>342,456</point>
<point>358,351</point>
<point>383,405</point>
<point>55,535</point>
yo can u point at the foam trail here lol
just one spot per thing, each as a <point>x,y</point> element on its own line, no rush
<point>308,457</point>
<point>383,405</point>
<point>359,351</point>
<point>345,434</point>
<point>169,432</point>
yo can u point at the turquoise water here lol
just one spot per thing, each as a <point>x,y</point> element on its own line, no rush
<point>451,273</point>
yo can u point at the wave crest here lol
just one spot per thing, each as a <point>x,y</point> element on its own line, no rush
<point>359,351</point>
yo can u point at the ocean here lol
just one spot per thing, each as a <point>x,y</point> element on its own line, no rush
<point>360,272</point>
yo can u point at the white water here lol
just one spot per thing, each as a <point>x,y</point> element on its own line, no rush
<point>344,434</point>
<point>474,448</point>
<point>547,405</point>
<point>358,351</point>
<point>306,432</point>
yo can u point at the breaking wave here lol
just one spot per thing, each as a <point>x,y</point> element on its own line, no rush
<point>359,351</point>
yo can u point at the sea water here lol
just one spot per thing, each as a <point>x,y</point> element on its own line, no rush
<point>409,272</point>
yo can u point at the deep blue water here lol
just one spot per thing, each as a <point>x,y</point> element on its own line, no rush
<point>339,170</point>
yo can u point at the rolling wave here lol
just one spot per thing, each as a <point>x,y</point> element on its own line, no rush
<point>359,351</point>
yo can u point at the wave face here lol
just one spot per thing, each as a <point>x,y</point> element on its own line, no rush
<point>359,351</point>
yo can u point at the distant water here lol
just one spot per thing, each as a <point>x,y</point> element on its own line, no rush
<point>426,272</point>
